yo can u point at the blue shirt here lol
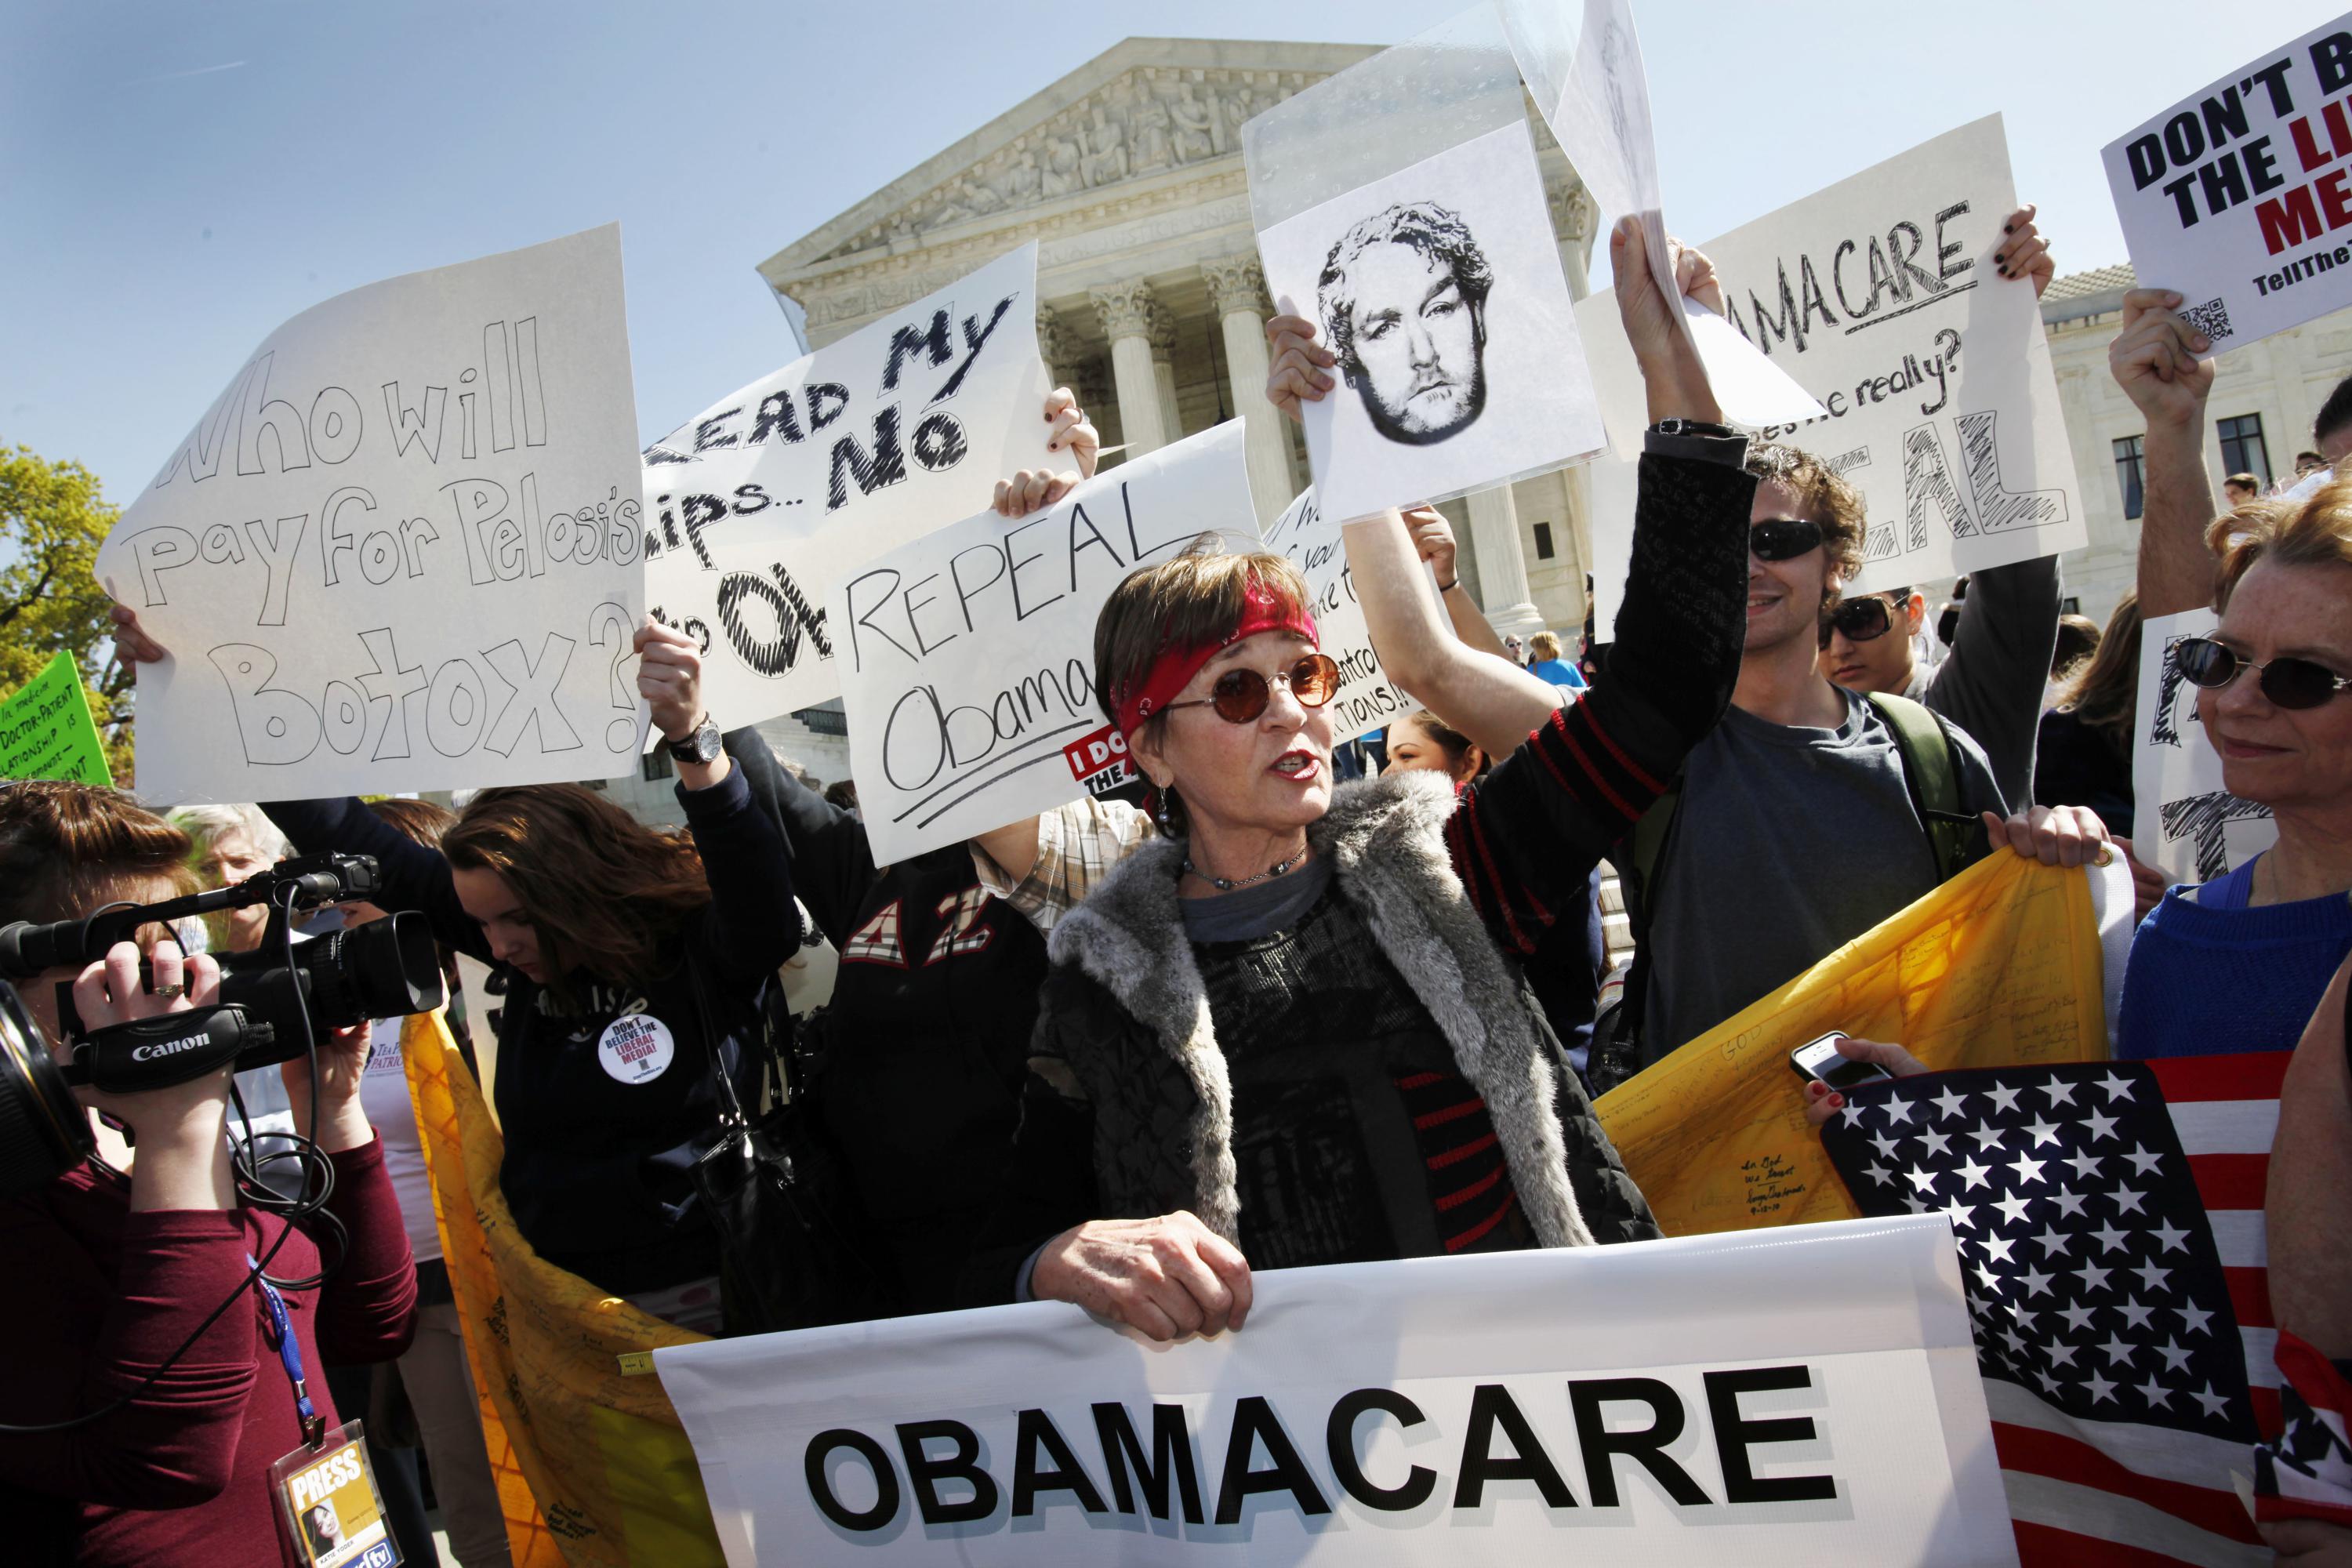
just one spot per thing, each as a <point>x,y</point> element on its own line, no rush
<point>1559,673</point>
<point>2208,976</point>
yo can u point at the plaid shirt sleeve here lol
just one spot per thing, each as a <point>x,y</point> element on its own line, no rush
<point>1077,844</point>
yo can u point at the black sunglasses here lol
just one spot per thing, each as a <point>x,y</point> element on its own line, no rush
<point>2287,682</point>
<point>1783,537</point>
<point>1861,620</point>
<point>1240,696</point>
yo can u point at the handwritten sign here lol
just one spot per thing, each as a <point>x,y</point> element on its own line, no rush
<point>402,551</point>
<point>757,506</point>
<point>46,731</point>
<point>2239,196</point>
<point>967,657</point>
<point>2185,821</point>
<point>1879,295</point>
<point>1312,543</point>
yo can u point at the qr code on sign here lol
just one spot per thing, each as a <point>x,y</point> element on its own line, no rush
<point>2211,318</point>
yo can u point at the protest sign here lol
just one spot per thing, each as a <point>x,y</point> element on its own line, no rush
<point>757,506</point>
<point>1591,89</point>
<point>2010,961</point>
<point>1502,1405</point>
<point>967,657</point>
<point>1439,287</point>
<point>46,731</point>
<point>2240,196</point>
<point>1947,420</point>
<point>402,551</point>
<point>2186,823</point>
<point>1312,543</point>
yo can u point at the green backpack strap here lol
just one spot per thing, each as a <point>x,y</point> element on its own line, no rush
<point>1931,771</point>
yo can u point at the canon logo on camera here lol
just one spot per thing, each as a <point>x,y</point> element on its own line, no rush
<point>168,1047</point>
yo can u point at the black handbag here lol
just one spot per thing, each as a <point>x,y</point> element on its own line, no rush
<point>791,1231</point>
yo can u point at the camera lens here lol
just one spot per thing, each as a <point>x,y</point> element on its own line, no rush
<point>44,1131</point>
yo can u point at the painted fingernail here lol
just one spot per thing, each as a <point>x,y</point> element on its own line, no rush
<point>2009,228</point>
<point>1837,1102</point>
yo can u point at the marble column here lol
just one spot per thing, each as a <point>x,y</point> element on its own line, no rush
<point>1058,347</point>
<point>1164,370</point>
<point>1503,588</point>
<point>1237,295</point>
<point>1126,309</point>
<point>1572,216</point>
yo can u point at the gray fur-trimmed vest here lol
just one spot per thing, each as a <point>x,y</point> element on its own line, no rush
<point>1125,1016</point>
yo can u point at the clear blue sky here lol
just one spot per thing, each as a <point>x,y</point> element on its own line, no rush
<point>179,178</point>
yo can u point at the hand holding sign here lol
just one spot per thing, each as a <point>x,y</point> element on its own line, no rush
<point>1165,1277</point>
<point>1672,372</point>
<point>1032,488</point>
<point>2155,360</point>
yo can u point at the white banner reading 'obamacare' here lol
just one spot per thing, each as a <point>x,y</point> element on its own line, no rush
<point>2185,821</point>
<point>967,657</point>
<point>758,505</point>
<point>1810,1396</point>
<point>402,551</point>
<point>2240,196</point>
<point>1880,297</point>
<point>1313,542</point>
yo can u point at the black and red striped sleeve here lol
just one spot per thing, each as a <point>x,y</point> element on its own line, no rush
<point>1525,838</point>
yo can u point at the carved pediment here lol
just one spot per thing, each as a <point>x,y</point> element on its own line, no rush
<point>1146,107</point>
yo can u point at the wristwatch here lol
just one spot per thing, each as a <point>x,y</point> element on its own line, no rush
<point>1680,427</point>
<point>701,745</point>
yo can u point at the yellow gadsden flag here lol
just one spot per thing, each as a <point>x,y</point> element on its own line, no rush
<point>2000,965</point>
<point>592,1465</point>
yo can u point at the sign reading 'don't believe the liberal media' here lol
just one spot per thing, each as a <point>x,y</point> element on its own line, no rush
<point>402,551</point>
<point>757,506</point>
<point>1880,297</point>
<point>1315,544</point>
<point>1695,1401</point>
<point>2186,823</point>
<point>2240,196</point>
<point>967,657</point>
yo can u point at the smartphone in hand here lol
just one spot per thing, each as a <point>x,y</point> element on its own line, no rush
<point>1818,1060</point>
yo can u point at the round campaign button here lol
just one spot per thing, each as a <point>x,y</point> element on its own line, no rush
<point>637,1049</point>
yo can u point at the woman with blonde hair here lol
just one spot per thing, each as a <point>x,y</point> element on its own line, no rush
<point>2241,962</point>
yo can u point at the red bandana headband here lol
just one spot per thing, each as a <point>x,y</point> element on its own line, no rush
<point>1174,668</point>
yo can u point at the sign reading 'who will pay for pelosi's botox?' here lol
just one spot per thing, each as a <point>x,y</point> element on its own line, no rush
<point>402,550</point>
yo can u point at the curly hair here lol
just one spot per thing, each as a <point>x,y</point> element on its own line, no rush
<point>607,894</point>
<point>1423,226</point>
<point>1825,496</point>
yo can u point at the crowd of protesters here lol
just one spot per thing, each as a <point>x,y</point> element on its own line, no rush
<point>1127,1052</point>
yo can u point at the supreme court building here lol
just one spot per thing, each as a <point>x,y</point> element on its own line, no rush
<point>1129,174</point>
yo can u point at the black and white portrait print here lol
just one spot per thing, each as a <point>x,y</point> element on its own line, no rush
<point>1402,303</point>
<point>1439,290</point>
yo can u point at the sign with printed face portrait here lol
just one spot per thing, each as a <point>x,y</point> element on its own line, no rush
<point>1439,287</point>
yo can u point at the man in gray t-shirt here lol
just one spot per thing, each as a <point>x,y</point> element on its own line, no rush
<point>1795,830</point>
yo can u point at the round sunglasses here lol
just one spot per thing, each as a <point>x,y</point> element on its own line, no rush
<point>1783,537</point>
<point>1240,696</point>
<point>2287,682</point>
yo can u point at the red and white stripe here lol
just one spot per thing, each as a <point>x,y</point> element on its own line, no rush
<point>2115,1494</point>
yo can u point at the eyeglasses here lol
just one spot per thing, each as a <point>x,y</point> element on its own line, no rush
<point>1240,696</point>
<point>1861,620</point>
<point>2288,682</point>
<point>1783,537</point>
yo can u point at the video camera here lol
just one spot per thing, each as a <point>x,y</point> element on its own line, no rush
<point>274,1000</point>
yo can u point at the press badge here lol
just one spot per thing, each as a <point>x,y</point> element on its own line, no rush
<point>635,1049</point>
<point>327,1501</point>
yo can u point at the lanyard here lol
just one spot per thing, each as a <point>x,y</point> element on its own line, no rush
<point>289,1354</point>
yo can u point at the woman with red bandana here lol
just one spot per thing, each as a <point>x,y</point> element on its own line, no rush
<point>1290,1027</point>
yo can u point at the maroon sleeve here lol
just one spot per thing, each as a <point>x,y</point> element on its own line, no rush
<point>367,1309</point>
<point>76,1343</point>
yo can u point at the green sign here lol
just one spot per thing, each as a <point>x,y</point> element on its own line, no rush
<point>46,731</point>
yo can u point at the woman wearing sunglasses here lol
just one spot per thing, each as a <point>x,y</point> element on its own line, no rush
<point>2239,964</point>
<point>1291,1027</point>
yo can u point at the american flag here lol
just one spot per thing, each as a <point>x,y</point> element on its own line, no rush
<point>2110,1227</point>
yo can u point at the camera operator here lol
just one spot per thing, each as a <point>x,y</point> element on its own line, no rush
<point>113,1270</point>
<point>599,926</point>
